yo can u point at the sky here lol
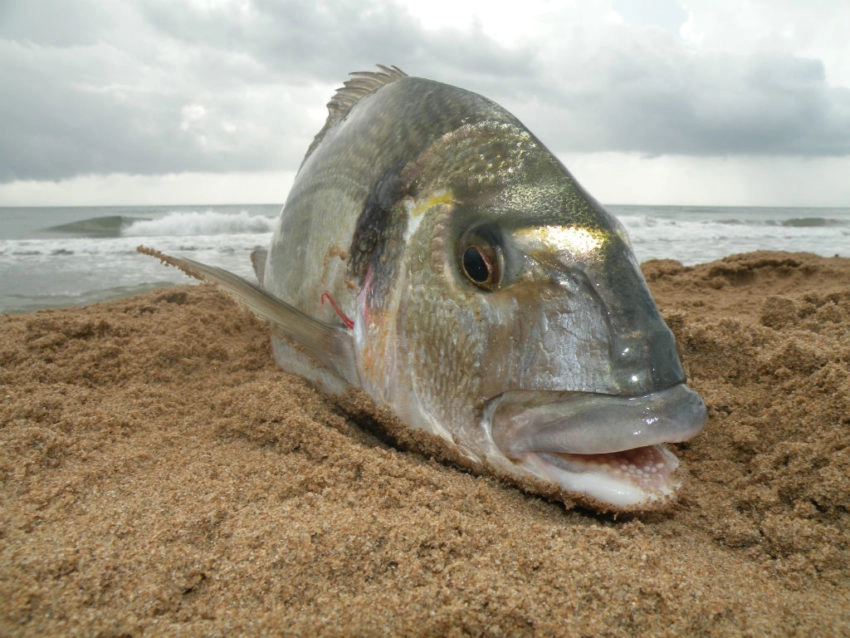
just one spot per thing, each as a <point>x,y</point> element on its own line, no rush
<point>711,102</point>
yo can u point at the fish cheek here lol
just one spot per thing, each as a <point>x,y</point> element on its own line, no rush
<point>445,350</point>
<point>443,331</point>
<point>545,334</point>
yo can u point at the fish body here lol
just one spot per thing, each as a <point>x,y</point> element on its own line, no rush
<point>435,255</point>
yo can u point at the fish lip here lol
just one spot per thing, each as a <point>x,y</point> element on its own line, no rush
<point>607,450</point>
<point>580,423</point>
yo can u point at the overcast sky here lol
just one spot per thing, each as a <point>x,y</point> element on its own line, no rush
<point>740,102</point>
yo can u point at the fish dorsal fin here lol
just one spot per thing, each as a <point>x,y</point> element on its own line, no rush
<point>360,84</point>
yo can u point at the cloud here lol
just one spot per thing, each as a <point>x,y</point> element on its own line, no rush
<point>718,105</point>
<point>158,87</point>
<point>164,87</point>
<point>113,97</point>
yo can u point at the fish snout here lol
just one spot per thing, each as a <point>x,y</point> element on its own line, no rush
<point>645,360</point>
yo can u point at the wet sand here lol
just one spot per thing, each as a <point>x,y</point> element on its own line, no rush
<point>161,475</point>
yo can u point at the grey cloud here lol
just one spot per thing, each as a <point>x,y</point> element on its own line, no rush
<point>163,87</point>
<point>155,87</point>
<point>101,125</point>
<point>55,22</point>
<point>302,41</point>
<point>724,105</point>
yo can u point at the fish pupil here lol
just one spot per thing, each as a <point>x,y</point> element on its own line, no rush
<point>475,265</point>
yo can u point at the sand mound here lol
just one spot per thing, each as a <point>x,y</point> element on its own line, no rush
<point>160,474</point>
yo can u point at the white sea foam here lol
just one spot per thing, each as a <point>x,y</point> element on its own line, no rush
<point>42,266</point>
<point>199,223</point>
<point>705,235</point>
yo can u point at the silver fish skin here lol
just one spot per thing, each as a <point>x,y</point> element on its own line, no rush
<point>435,255</point>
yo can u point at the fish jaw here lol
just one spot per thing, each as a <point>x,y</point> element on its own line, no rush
<point>607,449</point>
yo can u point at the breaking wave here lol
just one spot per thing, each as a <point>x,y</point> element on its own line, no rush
<point>813,222</point>
<point>193,223</point>
<point>108,226</point>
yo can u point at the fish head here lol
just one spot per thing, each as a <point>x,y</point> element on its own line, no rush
<point>511,318</point>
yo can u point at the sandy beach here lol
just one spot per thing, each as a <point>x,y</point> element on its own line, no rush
<point>160,475</point>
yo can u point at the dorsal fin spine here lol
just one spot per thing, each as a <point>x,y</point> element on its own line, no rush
<point>359,85</point>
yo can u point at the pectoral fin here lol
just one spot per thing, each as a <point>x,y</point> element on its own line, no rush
<point>330,346</point>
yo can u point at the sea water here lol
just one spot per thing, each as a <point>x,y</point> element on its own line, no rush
<point>55,257</point>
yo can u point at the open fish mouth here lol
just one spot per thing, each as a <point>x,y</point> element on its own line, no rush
<point>607,448</point>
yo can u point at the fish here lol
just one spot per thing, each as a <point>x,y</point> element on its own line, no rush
<point>434,256</point>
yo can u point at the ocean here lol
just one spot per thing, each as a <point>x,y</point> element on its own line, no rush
<point>56,257</point>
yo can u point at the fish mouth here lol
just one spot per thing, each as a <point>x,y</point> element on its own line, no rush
<point>606,448</point>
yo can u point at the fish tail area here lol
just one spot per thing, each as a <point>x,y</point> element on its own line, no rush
<point>330,346</point>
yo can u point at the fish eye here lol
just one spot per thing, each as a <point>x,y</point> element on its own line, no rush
<point>481,262</point>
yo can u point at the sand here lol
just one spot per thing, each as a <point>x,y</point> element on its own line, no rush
<point>161,475</point>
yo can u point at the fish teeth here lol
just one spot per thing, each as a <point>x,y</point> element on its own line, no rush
<point>628,478</point>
